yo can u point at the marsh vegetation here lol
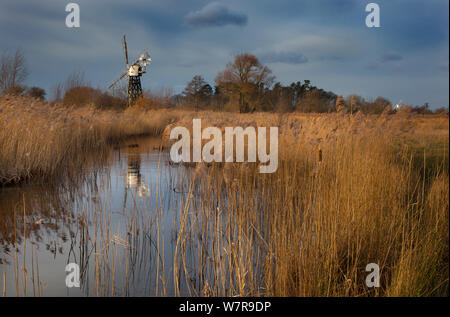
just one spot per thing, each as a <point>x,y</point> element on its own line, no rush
<point>350,189</point>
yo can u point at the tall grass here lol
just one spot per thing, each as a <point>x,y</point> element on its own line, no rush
<point>39,139</point>
<point>311,228</point>
<point>349,190</point>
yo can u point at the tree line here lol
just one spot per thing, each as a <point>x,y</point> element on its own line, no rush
<point>245,85</point>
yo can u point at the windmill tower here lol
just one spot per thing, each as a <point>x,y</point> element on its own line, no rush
<point>133,74</point>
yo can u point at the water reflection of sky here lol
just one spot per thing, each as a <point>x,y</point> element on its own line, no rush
<point>135,196</point>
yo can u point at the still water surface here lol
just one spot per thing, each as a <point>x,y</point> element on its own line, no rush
<point>118,222</point>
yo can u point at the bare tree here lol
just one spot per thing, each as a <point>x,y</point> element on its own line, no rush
<point>246,79</point>
<point>13,71</point>
<point>74,80</point>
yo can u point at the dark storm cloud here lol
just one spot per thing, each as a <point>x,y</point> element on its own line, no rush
<point>414,24</point>
<point>325,41</point>
<point>215,14</point>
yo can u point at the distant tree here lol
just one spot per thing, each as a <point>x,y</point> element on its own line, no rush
<point>197,90</point>
<point>245,80</point>
<point>316,100</point>
<point>194,86</point>
<point>297,89</point>
<point>13,72</point>
<point>280,98</point>
<point>379,105</point>
<point>441,111</point>
<point>218,99</point>
<point>217,90</point>
<point>206,91</point>
<point>307,86</point>
<point>424,109</point>
<point>37,92</point>
<point>177,100</point>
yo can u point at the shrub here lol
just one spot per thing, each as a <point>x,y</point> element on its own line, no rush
<point>14,90</point>
<point>80,96</point>
<point>37,92</point>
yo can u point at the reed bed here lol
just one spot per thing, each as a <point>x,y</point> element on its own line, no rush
<point>349,190</point>
<point>38,139</point>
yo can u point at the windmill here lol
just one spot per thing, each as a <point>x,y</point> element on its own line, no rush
<point>133,73</point>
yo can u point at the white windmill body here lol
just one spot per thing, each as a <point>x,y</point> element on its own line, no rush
<point>133,74</point>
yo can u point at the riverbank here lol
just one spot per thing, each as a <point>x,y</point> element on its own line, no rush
<point>39,140</point>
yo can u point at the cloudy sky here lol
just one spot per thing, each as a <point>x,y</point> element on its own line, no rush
<point>325,41</point>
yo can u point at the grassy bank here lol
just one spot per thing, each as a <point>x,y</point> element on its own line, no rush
<point>38,139</point>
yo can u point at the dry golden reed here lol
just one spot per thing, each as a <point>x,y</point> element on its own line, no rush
<point>349,191</point>
<point>40,139</point>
